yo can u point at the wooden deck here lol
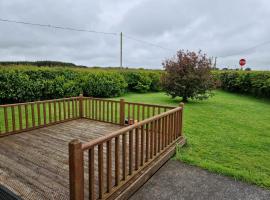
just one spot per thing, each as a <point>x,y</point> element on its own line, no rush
<point>34,164</point>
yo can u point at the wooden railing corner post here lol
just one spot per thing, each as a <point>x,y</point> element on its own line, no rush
<point>122,112</point>
<point>76,170</point>
<point>181,105</point>
<point>81,106</point>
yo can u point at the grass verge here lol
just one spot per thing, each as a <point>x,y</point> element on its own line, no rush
<point>228,134</point>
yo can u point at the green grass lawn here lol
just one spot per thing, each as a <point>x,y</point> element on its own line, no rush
<point>227,134</point>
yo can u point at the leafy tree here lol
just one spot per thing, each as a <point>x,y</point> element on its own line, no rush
<point>188,75</point>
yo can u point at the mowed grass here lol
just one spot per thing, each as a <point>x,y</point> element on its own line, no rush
<point>228,134</point>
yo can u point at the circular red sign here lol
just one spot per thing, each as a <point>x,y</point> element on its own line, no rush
<point>242,62</point>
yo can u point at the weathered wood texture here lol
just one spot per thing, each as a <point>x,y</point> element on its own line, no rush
<point>100,163</point>
<point>130,149</point>
<point>35,164</point>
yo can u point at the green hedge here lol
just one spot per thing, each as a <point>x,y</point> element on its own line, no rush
<point>256,83</point>
<point>30,83</point>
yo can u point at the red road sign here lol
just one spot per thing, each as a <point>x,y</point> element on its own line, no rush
<point>242,62</point>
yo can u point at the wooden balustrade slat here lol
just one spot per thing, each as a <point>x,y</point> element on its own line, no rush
<point>20,117</point>
<point>26,117</point>
<point>85,107</point>
<point>103,110</point>
<point>59,111</point>
<point>136,149</point>
<point>142,145</point>
<point>166,130</point>
<point>65,109</point>
<point>96,110</point>
<point>111,112</point>
<point>50,112</point>
<point>143,117</point>
<point>100,171</point>
<point>163,132</point>
<point>138,113</point>
<point>124,155</point>
<point>109,166</point>
<point>116,112</point>
<point>99,110</point>
<point>130,152</point>
<point>38,113</point>
<point>151,139</point>
<point>6,119</point>
<point>44,114</point>
<point>69,109</point>
<point>117,165</point>
<point>159,135</point>
<point>133,112</point>
<point>33,115</point>
<point>147,142</point>
<point>91,168</point>
<point>108,113</point>
<point>128,113</point>
<point>76,108</point>
<point>13,118</point>
<point>155,137</point>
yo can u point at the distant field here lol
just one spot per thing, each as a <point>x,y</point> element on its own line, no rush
<point>227,134</point>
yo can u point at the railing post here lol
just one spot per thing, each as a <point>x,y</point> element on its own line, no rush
<point>76,170</point>
<point>81,106</point>
<point>181,118</point>
<point>122,112</point>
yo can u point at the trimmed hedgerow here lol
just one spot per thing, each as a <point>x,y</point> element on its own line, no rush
<point>256,83</point>
<point>103,84</point>
<point>142,81</point>
<point>30,83</point>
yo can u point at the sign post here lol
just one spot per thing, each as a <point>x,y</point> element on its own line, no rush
<point>242,62</point>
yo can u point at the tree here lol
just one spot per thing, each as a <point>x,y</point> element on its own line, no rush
<point>188,75</point>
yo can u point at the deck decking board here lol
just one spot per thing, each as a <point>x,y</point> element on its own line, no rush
<point>34,164</point>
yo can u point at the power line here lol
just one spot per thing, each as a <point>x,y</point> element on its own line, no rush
<point>145,42</point>
<point>57,27</point>
<point>245,50</point>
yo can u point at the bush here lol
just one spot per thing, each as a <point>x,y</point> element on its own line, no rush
<point>140,81</point>
<point>188,75</point>
<point>29,83</point>
<point>256,83</point>
<point>101,84</point>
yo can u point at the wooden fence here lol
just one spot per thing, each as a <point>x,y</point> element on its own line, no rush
<point>15,118</point>
<point>121,155</point>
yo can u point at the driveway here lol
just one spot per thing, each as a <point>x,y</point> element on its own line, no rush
<point>179,181</point>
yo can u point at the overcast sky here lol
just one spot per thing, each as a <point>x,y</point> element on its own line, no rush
<point>217,27</point>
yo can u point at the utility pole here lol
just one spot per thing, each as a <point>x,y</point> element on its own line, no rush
<point>121,49</point>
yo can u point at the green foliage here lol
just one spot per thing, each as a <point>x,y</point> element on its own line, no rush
<point>227,134</point>
<point>256,83</point>
<point>104,84</point>
<point>141,81</point>
<point>29,83</point>
<point>188,75</point>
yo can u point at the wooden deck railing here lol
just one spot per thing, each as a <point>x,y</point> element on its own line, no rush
<point>119,112</point>
<point>122,155</point>
<point>15,118</point>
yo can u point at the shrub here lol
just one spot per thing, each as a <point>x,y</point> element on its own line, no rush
<point>103,84</point>
<point>188,75</point>
<point>140,81</point>
<point>256,83</point>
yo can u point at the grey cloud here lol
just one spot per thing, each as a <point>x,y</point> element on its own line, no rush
<point>217,27</point>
